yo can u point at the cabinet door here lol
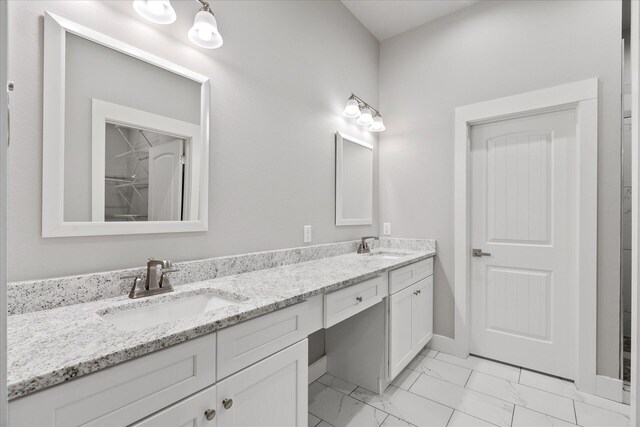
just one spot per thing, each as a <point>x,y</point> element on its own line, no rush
<point>270,393</point>
<point>194,411</point>
<point>422,312</point>
<point>400,336</point>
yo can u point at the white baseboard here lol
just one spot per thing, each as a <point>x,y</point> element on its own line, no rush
<point>317,369</point>
<point>610,388</point>
<point>446,345</point>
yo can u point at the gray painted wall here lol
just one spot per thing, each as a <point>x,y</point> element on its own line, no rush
<point>279,85</point>
<point>487,51</point>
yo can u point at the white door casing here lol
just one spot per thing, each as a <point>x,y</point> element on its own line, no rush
<point>522,206</point>
<point>165,181</point>
<point>582,97</point>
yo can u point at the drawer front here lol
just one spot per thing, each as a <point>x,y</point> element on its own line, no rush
<point>244,344</point>
<point>409,274</point>
<point>346,302</point>
<point>124,393</point>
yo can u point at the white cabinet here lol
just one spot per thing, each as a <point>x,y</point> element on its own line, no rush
<point>410,323</point>
<point>195,411</point>
<point>270,393</point>
<point>264,361</point>
<point>122,394</point>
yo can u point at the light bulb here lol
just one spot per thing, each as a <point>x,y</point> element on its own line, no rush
<point>204,32</point>
<point>352,109</point>
<point>365,117</point>
<point>378,124</point>
<point>158,11</point>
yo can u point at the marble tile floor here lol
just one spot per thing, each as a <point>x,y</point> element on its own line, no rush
<point>441,390</point>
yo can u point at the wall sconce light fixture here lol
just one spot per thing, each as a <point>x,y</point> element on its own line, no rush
<point>364,114</point>
<point>203,33</point>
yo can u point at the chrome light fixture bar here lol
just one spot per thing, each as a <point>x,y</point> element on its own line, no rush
<point>364,114</point>
<point>203,33</point>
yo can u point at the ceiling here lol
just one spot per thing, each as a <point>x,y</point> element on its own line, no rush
<point>387,18</point>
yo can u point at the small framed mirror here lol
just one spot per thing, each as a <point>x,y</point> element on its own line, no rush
<point>354,181</point>
<point>126,138</point>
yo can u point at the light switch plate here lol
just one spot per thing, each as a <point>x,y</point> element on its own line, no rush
<point>386,228</point>
<point>307,234</point>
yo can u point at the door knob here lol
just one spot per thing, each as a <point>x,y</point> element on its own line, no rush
<point>227,403</point>
<point>479,253</point>
<point>210,414</point>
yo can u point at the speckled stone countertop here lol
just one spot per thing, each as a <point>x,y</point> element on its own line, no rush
<point>49,347</point>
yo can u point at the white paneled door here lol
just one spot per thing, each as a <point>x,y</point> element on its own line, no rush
<point>523,184</point>
<point>165,181</point>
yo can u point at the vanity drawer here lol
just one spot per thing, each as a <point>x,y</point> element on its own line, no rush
<point>122,394</point>
<point>342,304</point>
<point>409,274</point>
<point>245,343</point>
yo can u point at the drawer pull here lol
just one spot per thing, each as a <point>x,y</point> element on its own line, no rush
<point>227,403</point>
<point>210,414</point>
<point>359,299</point>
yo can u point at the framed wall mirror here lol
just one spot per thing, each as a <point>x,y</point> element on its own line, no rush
<point>354,181</point>
<point>126,138</point>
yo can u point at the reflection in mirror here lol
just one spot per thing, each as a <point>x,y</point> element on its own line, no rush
<point>143,175</point>
<point>354,181</point>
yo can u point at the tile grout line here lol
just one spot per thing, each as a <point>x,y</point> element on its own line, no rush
<point>450,417</point>
<point>475,370</point>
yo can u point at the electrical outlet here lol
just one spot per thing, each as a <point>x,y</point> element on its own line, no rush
<point>307,234</point>
<point>386,228</point>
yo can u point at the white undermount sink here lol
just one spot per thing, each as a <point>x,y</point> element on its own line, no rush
<point>147,316</point>
<point>389,254</point>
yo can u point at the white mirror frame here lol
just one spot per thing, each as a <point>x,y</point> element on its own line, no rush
<point>341,139</point>
<point>53,224</point>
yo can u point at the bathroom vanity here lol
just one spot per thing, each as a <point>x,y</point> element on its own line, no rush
<point>229,366</point>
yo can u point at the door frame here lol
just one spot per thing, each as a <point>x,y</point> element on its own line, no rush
<point>582,97</point>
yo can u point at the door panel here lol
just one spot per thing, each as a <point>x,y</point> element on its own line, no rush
<point>270,393</point>
<point>523,201</point>
<point>421,313</point>
<point>401,318</point>
<point>187,413</point>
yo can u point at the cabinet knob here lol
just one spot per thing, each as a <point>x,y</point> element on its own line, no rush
<point>210,414</point>
<point>227,403</point>
<point>359,299</point>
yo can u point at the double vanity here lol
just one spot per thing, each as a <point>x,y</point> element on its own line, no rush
<point>224,351</point>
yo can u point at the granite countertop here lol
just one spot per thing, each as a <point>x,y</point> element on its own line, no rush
<point>50,347</point>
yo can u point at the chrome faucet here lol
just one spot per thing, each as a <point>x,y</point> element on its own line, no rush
<point>364,246</point>
<point>157,281</point>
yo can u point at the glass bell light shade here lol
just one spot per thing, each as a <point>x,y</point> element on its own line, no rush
<point>352,109</point>
<point>378,124</point>
<point>158,11</point>
<point>204,32</point>
<point>365,117</point>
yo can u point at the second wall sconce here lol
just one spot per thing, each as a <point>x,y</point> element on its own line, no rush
<point>364,114</point>
<point>203,33</point>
